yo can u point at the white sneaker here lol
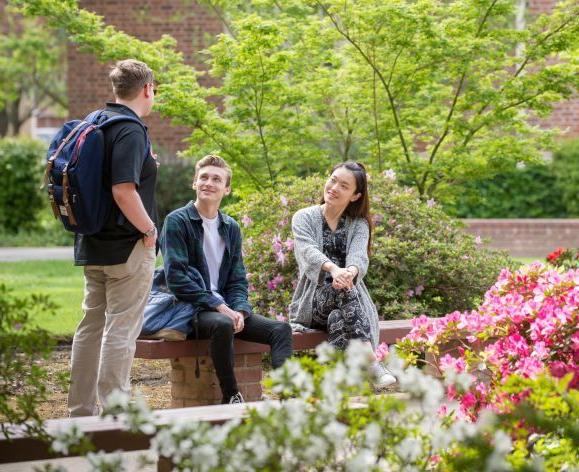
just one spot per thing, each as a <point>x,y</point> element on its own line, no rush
<point>237,398</point>
<point>382,376</point>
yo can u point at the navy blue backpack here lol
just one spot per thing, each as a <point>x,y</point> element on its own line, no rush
<point>74,173</point>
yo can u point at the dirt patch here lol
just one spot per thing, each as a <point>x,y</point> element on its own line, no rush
<point>150,378</point>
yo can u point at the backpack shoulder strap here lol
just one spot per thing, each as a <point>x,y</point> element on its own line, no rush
<point>118,118</point>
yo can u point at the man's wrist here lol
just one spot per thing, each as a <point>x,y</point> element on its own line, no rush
<point>150,232</point>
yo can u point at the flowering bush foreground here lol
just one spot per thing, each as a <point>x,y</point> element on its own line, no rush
<point>526,327</point>
<point>317,426</point>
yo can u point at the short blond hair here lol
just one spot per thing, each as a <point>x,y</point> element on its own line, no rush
<point>216,161</point>
<point>128,77</point>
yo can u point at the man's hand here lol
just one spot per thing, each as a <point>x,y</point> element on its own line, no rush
<point>235,316</point>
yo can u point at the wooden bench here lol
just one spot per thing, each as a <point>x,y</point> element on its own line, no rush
<point>108,435</point>
<point>188,390</point>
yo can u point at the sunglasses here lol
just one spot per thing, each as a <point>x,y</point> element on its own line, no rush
<point>154,87</point>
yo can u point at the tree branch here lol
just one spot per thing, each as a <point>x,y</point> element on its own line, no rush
<point>455,98</point>
<point>349,38</point>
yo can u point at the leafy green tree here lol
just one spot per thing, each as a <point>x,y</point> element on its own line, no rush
<point>32,71</point>
<point>444,92</point>
<point>456,96</point>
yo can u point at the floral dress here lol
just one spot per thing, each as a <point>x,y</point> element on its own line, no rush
<point>339,312</point>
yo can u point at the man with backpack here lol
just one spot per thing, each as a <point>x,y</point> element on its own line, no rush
<point>204,266</point>
<point>119,259</point>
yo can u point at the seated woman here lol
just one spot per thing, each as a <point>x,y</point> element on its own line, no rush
<point>332,244</point>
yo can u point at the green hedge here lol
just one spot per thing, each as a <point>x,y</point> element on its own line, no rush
<point>20,179</point>
<point>566,168</point>
<point>548,190</point>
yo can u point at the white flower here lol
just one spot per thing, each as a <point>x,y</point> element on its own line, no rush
<point>373,434</point>
<point>502,446</point>
<point>394,363</point>
<point>463,380</point>
<point>117,399</point>
<point>66,437</point>
<point>335,432</point>
<point>325,352</point>
<point>316,450</point>
<point>409,449</point>
<point>389,175</point>
<point>359,356</point>
<point>461,430</point>
<point>362,461</point>
<point>292,377</point>
<point>103,461</point>
<point>258,444</point>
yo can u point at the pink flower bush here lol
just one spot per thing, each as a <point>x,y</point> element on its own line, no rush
<point>526,325</point>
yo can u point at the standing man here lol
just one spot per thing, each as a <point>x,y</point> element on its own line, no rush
<point>120,259</point>
<point>203,266</point>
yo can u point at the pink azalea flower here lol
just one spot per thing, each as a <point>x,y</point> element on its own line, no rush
<point>280,317</point>
<point>246,220</point>
<point>289,244</point>
<point>381,352</point>
<point>283,200</point>
<point>277,244</point>
<point>280,257</point>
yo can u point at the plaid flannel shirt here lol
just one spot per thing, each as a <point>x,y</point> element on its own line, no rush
<point>186,268</point>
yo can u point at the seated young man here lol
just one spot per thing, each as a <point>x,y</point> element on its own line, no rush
<point>203,266</point>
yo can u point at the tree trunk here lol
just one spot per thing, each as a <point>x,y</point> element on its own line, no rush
<point>3,123</point>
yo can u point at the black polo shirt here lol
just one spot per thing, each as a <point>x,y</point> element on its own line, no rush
<point>126,160</point>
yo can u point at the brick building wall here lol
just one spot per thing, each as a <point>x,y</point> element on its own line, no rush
<point>565,114</point>
<point>190,24</point>
<point>526,237</point>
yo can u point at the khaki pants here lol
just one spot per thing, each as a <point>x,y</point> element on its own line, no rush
<point>105,340</point>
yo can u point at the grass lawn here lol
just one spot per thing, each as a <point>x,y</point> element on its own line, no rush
<point>64,283</point>
<point>59,279</point>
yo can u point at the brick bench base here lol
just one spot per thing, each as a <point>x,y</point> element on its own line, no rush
<point>188,390</point>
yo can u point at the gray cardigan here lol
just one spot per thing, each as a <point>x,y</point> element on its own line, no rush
<point>307,225</point>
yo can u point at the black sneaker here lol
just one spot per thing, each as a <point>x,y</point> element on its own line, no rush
<point>237,398</point>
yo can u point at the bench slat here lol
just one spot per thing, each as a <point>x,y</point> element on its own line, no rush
<point>106,434</point>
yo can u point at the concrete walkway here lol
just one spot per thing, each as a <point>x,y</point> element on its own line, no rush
<point>12,254</point>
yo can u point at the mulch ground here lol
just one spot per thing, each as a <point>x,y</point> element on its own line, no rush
<point>149,377</point>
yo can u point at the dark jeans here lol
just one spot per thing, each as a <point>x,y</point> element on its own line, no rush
<point>257,329</point>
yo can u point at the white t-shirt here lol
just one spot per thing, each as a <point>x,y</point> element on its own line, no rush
<point>213,247</point>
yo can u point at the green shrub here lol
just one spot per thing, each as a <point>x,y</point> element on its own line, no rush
<point>21,345</point>
<point>421,260</point>
<point>20,179</point>
<point>566,168</point>
<point>530,192</point>
<point>173,186</point>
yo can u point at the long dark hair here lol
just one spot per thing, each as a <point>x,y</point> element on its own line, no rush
<point>359,208</point>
